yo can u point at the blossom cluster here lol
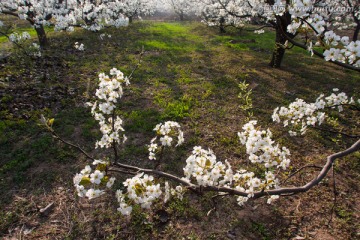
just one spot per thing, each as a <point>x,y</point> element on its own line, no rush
<point>35,50</point>
<point>92,183</point>
<point>141,190</point>
<point>300,114</point>
<point>202,166</point>
<point>132,8</point>
<point>19,38</point>
<point>108,94</point>
<point>246,181</point>
<point>177,192</point>
<point>166,133</point>
<point>79,47</point>
<point>215,13</point>
<point>261,148</point>
<point>103,36</point>
<point>261,31</point>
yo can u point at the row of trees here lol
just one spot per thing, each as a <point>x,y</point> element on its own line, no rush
<point>306,24</point>
<point>67,14</point>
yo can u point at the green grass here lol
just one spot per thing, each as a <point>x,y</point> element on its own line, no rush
<point>172,37</point>
<point>142,120</point>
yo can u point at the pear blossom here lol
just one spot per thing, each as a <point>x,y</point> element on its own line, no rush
<point>96,177</point>
<point>79,47</point>
<point>110,182</point>
<point>93,193</point>
<point>167,133</point>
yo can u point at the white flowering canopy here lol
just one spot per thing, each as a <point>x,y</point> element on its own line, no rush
<point>64,15</point>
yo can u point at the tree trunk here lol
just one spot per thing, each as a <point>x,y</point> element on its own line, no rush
<point>222,25</point>
<point>41,36</point>
<point>282,22</point>
<point>181,16</point>
<point>356,33</point>
<point>130,19</point>
<point>279,51</point>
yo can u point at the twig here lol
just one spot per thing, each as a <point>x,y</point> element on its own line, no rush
<point>138,63</point>
<point>122,171</point>
<point>355,107</point>
<point>299,170</point>
<point>336,132</point>
<point>213,198</point>
<point>157,165</point>
<point>71,144</point>
<point>17,44</point>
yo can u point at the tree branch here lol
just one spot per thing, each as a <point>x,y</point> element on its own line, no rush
<point>138,63</point>
<point>133,170</point>
<point>281,191</point>
<point>336,132</point>
<point>299,170</point>
<point>71,144</point>
<point>345,65</point>
<point>17,44</point>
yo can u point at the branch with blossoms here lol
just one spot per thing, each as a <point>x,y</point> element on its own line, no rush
<point>337,49</point>
<point>300,115</point>
<point>319,54</point>
<point>19,41</point>
<point>202,171</point>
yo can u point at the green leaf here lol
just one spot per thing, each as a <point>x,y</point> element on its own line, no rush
<point>85,181</point>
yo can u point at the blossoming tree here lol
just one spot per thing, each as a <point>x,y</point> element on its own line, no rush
<point>182,8</point>
<point>65,15</point>
<point>296,20</point>
<point>134,8</point>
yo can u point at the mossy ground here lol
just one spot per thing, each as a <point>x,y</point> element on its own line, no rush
<point>188,73</point>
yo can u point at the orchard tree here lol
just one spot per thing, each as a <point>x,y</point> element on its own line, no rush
<point>220,13</point>
<point>182,8</point>
<point>239,12</point>
<point>65,15</point>
<point>37,13</point>
<point>316,27</point>
<point>136,8</point>
<point>296,19</point>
